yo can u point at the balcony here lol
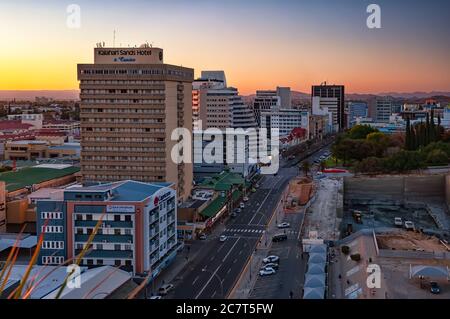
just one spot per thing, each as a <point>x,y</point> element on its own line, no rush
<point>107,224</point>
<point>107,253</point>
<point>82,238</point>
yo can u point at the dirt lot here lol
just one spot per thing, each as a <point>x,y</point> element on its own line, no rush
<point>410,241</point>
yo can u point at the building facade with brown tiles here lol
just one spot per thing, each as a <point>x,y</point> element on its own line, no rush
<point>130,104</point>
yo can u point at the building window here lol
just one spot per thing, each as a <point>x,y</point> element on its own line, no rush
<point>128,218</point>
<point>88,217</point>
<point>117,231</point>
<point>117,218</point>
<point>117,247</point>
<point>117,262</point>
<point>99,261</point>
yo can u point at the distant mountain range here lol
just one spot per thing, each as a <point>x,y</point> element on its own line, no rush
<point>30,95</point>
<point>21,95</point>
<point>412,97</point>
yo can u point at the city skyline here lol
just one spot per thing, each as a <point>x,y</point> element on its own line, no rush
<point>304,44</point>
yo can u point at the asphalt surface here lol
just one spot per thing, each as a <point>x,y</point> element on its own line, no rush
<point>217,268</point>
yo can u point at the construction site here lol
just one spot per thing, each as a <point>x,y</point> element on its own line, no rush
<point>414,203</point>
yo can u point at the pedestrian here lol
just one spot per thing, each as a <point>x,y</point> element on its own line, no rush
<point>340,277</point>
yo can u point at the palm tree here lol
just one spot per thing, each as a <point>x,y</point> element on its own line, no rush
<point>322,165</point>
<point>306,167</point>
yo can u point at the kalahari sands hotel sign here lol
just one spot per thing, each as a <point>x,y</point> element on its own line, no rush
<point>141,55</point>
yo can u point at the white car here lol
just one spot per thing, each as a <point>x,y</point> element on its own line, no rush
<point>409,225</point>
<point>245,199</point>
<point>284,225</point>
<point>155,297</point>
<point>164,290</point>
<point>398,221</point>
<point>267,272</point>
<point>271,259</point>
<point>242,205</point>
<point>222,238</point>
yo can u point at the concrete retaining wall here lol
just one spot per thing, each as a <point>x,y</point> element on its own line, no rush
<point>395,189</point>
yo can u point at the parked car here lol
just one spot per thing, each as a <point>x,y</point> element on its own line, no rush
<point>279,237</point>
<point>164,290</point>
<point>155,297</point>
<point>284,225</point>
<point>434,288</point>
<point>257,186</point>
<point>409,225</point>
<point>202,237</point>
<point>233,215</point>
<point>242,205</point>
<point>398,222</point>
<point>271,259</point>
<point>245,199</point>
<point>274,266</point>
<point>237,210</point>
<point>267,272</point>
<point>222,238</point>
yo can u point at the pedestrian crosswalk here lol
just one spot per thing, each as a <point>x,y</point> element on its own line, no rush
<point>256,231</point>
<point>246,230</point>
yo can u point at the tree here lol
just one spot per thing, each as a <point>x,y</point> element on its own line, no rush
<point>322,166</point>
<point>437,157</point>
<point>370,165</point>
<point>408,136</point>
<point>306,167</point>
<point>361,131</point>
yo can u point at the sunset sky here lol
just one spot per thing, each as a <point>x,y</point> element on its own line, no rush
<point>260,44</point>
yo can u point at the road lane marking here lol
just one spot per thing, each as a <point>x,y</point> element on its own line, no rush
<point>231,249</point>
<point>207,283</point>
<point>265,198</point>
<point>195,280</point>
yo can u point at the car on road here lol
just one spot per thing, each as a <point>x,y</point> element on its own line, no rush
<point>267,272</point>
<point>291,157</point>
<point>274,266</point>
<point>434,288</point>
<point>271,259</point>
<point>222,238</point>
<point>237,210</point>
<point>409,225</point>
<point>156,297</point>
<point>245,199</point>
<point>242,205</point>
<point>284,225</point>
<point>279,237</point>
<point>202,237</point>
<point>164,290</point>
<point>398,222</point>
<point>233,215</point>
<point>257,186</point>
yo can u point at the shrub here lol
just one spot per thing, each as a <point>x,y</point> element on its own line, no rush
<point>345,250</point>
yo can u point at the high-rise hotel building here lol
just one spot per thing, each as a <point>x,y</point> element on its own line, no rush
<point>130,104</point>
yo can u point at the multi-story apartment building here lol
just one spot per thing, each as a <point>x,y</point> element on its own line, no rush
<point>220,107</point>
<point>333,98</point>
<point>357,110</point>
<point>383,109</point>
<point>266,100</point>
<point>130,104</point>
<point>137,229</point>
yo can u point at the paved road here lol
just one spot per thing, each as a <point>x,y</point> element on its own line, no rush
<point>289,277</point>
<point>214,273</point>
<point>216,269</point>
